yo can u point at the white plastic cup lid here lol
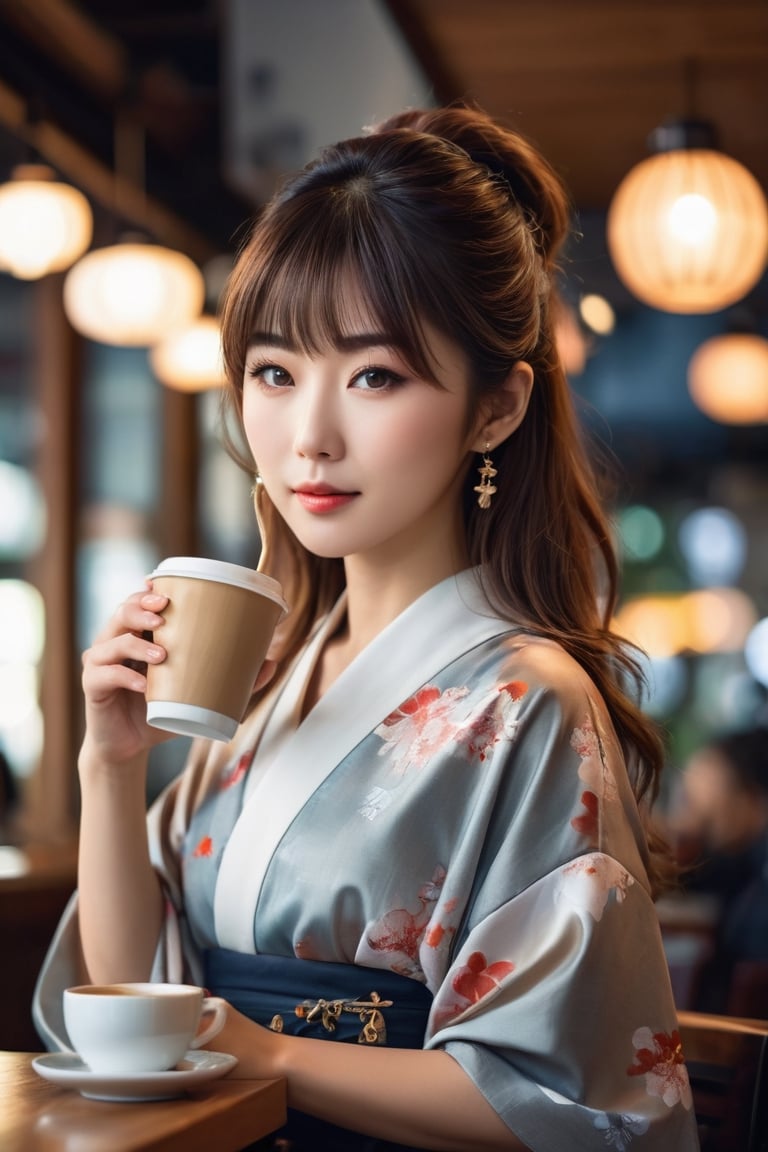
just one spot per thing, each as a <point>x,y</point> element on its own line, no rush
<point>200,568</point>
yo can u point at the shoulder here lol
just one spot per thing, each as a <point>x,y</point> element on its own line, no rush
<point>539,664</point>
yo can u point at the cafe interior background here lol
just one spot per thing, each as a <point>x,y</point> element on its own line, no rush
<point>170,122</point>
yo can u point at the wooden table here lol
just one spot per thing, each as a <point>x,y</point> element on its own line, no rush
<point>226,1114</point>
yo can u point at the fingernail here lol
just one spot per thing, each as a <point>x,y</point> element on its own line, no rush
<point>154,653</point>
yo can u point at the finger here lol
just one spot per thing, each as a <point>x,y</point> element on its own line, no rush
<point>140,612</point>
<point>127,650</point>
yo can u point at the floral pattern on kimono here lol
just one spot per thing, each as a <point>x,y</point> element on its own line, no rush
<point>399,933</point>
<point>473,826</point>
<point>618,1128</point>
<point>659,1058</point>
<point>596,775</point>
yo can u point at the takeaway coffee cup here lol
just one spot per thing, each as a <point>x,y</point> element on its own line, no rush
<point>218,626</point>
<point>126,1029</point>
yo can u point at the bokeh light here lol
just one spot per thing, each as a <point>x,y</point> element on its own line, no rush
<point>641,532</point>
<point>713,542</point>
<point>23,522</point>
<point>597,314</point>
<point>756,651</point>
<point>703,621</point>
<point>22,626</point>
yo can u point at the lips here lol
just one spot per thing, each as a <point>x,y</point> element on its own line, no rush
<point>320,490</point>
<point>322,498</point>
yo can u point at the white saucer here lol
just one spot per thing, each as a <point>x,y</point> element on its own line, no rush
<point>68,1070</point>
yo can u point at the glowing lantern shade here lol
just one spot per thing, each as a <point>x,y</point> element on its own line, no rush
<point>728,378</point>
<point>44,225</point>
<point>687,228</point>
<point>133,294</point>
<point>190,359</point>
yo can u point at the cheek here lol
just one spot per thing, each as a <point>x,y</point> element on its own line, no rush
<point>259,428</point>
<point>424,440</point>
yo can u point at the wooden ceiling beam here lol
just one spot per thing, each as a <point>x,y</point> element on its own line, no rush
<point>114,193</point>
<point>64,33</point>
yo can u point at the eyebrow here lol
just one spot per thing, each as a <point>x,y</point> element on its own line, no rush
<point>343,343</point>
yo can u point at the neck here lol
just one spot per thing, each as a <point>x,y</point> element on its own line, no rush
<point>377,593</point>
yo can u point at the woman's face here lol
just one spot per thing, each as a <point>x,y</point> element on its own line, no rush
<point>360,455</point>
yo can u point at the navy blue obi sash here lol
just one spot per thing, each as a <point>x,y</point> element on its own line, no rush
<point>341,1002</point>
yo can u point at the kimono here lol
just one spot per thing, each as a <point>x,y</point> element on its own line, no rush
<point>456,809</point>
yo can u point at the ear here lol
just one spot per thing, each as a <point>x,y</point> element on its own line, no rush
<point>504,410</point>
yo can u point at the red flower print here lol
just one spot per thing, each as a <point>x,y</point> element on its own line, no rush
<point>587,882</point>
<point>474,980</point>
<point>584,740</point>
<point>435,935</point>
<point>515,689</point>
<point>414,705</point>
<point>204,847</point>
<point>486,728</point>
<point>477,978</point>
<point>594,769</point>
<point>232,776</point>
<point>401,931</point>
<point>483,734</point>
<point>420,726</point>
<point>659,1057</point>
<point>587,823</point>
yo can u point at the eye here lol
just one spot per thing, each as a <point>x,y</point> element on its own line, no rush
<point>271,375</point>
<point>376,380</point>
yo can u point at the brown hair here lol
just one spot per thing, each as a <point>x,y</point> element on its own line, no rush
<point>446,217</point>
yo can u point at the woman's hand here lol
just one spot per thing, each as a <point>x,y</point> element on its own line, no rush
<point>114,681</point>
<point>257,1049</point>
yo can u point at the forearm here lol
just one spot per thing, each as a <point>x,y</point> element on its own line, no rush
<point>408,1096</point>
<point>119,897</point>
<point>415,1097</point>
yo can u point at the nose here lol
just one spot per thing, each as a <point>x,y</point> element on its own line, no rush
<point>318,432</point>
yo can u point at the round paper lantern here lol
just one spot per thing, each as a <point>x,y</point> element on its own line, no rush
<point>190,358</point>
<point>133,294</point>
<point>687,228</point>
<point>44,225</point>
<point>728,378</point>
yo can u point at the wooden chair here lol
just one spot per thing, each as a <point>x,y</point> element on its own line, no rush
<point>727,1059</point>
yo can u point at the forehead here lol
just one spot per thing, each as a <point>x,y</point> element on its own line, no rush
<point>351,322</point>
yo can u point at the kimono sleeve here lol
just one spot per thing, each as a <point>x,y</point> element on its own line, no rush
<point>557,1002</point>
<point>176,958</point>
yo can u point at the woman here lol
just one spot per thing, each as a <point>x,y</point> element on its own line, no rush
<point>439,802</point>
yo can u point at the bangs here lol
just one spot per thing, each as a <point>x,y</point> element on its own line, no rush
<point>326,271</point>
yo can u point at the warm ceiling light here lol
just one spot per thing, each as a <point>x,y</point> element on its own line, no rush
<point>687,228</point>
<point>597,314</point>
<point>571,341</point>
<point>132,294</point>
<point>190,359</point>
<point>656,624</point>
<point>728,378</point>
<point>44,225</point>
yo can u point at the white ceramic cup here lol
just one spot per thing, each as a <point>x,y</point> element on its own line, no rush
<point>125,1029</point>
<point>218,626</point>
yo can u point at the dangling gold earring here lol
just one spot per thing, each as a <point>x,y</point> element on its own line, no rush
<point>485,489</point>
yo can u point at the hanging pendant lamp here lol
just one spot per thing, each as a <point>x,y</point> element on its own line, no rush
<point>133,293</point>
<point>45,225</point>
<point>687,228</point>
<point>728,378</point>
<point>190,359</point>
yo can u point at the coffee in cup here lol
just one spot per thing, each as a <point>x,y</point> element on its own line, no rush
<point>218,626</point>
<point>129,1029</point>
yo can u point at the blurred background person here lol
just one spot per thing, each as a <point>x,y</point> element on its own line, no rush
<point>719,824</point>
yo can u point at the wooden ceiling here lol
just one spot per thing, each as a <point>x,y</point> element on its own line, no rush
<point>586,79</point>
